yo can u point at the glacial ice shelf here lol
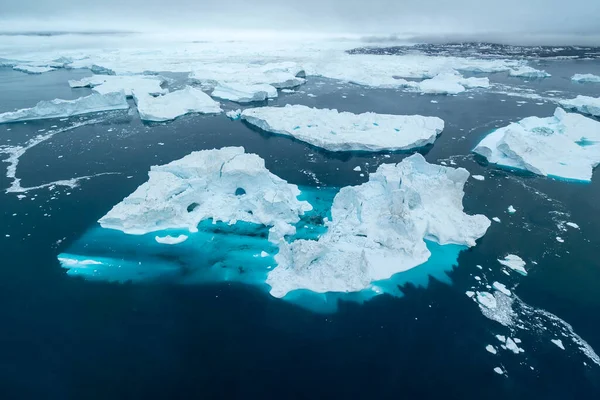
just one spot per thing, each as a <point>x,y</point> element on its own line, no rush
<point>58,108</point>
<point>566,145</point>
<point>129,84</point>
<point>344,131</point>
<point>175,104</point>
<point>244,224</point>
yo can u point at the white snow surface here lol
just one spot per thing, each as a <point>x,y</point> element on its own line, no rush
<point>32,69</point>
<point>203,185</point>
<point>515,263</point>
<point>141,84</point>
<point>451,83</point>
<point>344,131</point>
<point>58,108</point>
<point>583,78</point>
<point>171,239</point>
<point>241,93</point>
<point>583,104</point>
<point>565,145</point>
<point>378,229</point>
<point>175,104</point>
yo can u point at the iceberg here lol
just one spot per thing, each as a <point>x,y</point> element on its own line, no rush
<point>451,83</point>
<point>515,263</point>
<point>241,93</point>
<point>59,108</point>
<point>344,131</point>
<point>584,78</point>
<point>225,185</point>
<point>379,229</point>
<point>528,72</point>
<point>171,239</point>
<point>104,84</point>
<point>583,104</point>
<point>566,145</point>
<point>32,69</point>
<point>175,104</point>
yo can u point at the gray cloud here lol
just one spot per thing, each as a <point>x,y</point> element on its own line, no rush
<point>461,18</point>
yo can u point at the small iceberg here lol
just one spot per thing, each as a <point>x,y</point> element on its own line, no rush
<point>226,185</point>
<point>32,69</point>
<point>240,93</point>
<point>451,83</point>
<point>528,73</point>
<point>344,131</point>
<point>566,145</point>
<point>586,78</point>
<point>583,104</point>
<point>129,84</point>
<point>515,263</point>
<point>171,239</point>
<point>58,108</point>
<point>379,229</point>
<point>175,104</point>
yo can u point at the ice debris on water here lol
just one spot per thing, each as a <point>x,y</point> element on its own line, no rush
<point>515,263</point>
<point>171,239</point>
<point>591,78</point>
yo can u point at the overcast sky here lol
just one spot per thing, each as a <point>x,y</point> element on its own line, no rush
<point>424,17</point>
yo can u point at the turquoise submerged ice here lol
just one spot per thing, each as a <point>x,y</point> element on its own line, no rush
<point>566,145</point>
<point>220,215</point>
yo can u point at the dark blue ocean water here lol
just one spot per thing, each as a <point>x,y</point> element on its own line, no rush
<point>65,337</point>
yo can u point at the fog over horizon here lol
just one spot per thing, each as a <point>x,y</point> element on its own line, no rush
<point>509,21</point>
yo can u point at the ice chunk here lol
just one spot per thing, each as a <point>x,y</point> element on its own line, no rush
<point>478,177</point>
<point>512,346</point>
<point>558,342</point>
<point>583,104</point>
<point>586,78</point>
<point>500,287</point>
<point>499,371</point>
<point>511,209</point>
<point>486,299</point>
<point>171,239</point>
<point>223,185</point>
<point>566,145</point>
<point>175,104</point>
<point>496,219</point>
<point>379,229</point>
<point>240,93</point>
<point>58,108</point>
<point>32,69</point>
<point>357,168</point>
<point>344,131</point>
<point>528,72</point>
<point>491,349</point>
<point>451,83</point>
<point>234,114</point>
<point>141,84</point>
<point>572,225</point>
<point>515,263</point>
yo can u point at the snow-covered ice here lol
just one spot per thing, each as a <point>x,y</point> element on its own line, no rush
<point>565,145</point>
<point>586,78</point>
<point>58,108</point>
<point>528,72</point>
<point>344,131</point>
<point>501,287</point>
<point>583,104</point>
<point>129,84</point>
<point>486,300</point>
<point>171,239</point>
<point>491,349</point>
<point>226,185</point>
<point>241,93</point>
<point>32,69</point>
<point>515,263</point>
<point>379,229</point>
<point>496,219</point>
<point>175,104</point>
<point>499,371</point>
<point>451,83</point>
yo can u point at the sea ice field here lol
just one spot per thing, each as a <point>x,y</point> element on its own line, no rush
<point>328,218</point>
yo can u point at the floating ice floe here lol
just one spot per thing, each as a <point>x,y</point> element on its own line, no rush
<point>225,185</point>
<point>511,209</point>
<point>129,84</point>
<point>583,104</point>
<point>451,83</point>
<point>478,177</point>
<point>566,145</point>
<point>171,239</point>
<point>234,114</point>
<point>344,131</point>
<point>583,78</point>
<point>32,69</point>
<point>528,72</point>
<point>558,342</point>
<point>58,108</point>
<point>241,93</point>
<point>379,229</point>
<point>175,104</point>
<point>515,263</point>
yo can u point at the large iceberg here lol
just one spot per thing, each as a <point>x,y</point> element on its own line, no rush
<point>129,84</point>
<point>59,108</point>
<point>586,78</point>
<point>379,229</point>
<point>566,145</point>
<point>583,104</point>
<point>344,131</point>
<point>226,185</point>
<point>175,104</point>
<point>241,93</point>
